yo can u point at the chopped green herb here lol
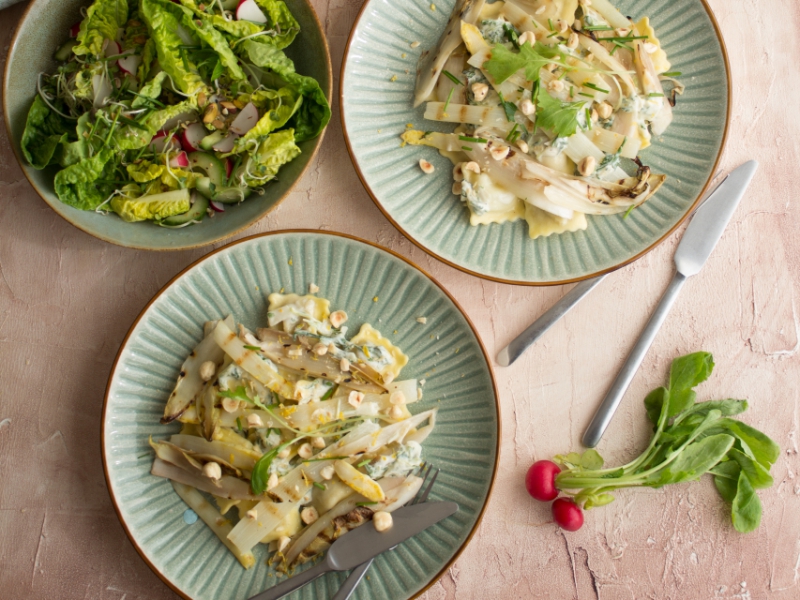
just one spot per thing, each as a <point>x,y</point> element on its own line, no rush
<point>511,35</point>
<point>504,63</point>
<point>239,424</point>
<point>550,24</point>
<point>364,462</point>
<point>252,347</point>
<point>317,484</point>
<point>672,74</point>
<point>627,38</point>
<point>585,95</point>
<point>310,460</point>
<point>629,211</point>
<point>452,77</point>
<point>467,148</point>
<point>592,86</point>
<point>449,97</point>
<point>510,137</point>
<point>597,28</point>
<point>329,393</point>
<point>509,107</point>
<point>466,138</point>
<point>655,95</point>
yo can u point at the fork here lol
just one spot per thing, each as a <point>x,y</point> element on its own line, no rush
<point>357,574</point>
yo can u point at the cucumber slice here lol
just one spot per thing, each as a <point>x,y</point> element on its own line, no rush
<point>64,52</point>
<point>222,194</point>
<point>208,142</point>
<point>210,165</point>
<point>195,213</point>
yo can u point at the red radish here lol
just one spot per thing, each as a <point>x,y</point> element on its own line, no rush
<point>159,143</point>
<point>217,206</point>
<point>75,30</point>
<point>248,10</point>
<point>111,48</point>
<point>246,119</point>
<point>540,480</point>
<point>567,514</point>
<point>225,144</point>
<point>192,135</point>
<point>179,161</point>
<point>130,63</point>
<point>228,167</point>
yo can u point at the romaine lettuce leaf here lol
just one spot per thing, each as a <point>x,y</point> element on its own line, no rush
<point>272,153</point>
<point>44,132</point>
<point>77,185</point>
<point>238,29</point>
<point>281,21</point>
<point>163,25</point>
<point>144,171</point>
<point>278,107</point>
<point>148,56</point>
<point>315,112</point>
<point>102,21</point>
<point>156,206</point>
<point>74,152</point>
<point>151,89</point>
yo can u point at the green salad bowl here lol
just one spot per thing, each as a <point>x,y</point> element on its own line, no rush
<point>44,27</point>
<point>373,285</point>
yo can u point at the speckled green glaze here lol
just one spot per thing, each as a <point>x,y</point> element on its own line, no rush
<point>375,110</point>
<point>44,28</point>
<point>236,280</point>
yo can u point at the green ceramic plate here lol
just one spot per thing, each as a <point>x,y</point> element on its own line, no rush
<point>236,280</point>
<point>44,28</point>
<point>375,110</point>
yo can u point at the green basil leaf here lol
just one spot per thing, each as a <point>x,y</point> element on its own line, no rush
<point>746,507</point>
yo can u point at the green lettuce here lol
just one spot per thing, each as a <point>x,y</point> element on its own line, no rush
<point>281,21</point>
<point>77,186</point>
<point>272,153</point>
<point>102,21</point>
<point>151,89</point>
<point>148,56</point>
<point>156,206</point>
<point>74,152</point>
<point>206,32</point>
<point>238,29</point>
<point>315,112</point>
<point>44,132</point>
<point>277,106</point>
<point>144,171</point>
<point>163,25</point>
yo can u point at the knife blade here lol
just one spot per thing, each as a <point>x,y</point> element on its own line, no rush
<point>698,241</point>
<point>366,542</point>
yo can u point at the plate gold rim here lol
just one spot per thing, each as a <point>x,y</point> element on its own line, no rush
<point>185,270</point>
<point>421,246</point>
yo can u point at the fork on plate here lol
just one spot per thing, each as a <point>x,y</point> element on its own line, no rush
<point>427,471</point>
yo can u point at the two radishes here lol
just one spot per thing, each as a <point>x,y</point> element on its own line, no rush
<point>540,482</point>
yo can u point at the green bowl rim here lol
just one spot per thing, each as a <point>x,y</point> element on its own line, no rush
<point>318,143</point>
<point>158,294</point>
<point>421,246</point>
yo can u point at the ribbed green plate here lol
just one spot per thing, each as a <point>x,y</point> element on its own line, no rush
<point>375,111</point>
<point>236,280</point>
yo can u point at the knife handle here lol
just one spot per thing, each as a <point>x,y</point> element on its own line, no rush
<point>536,329</point>
<point>352,581</point>
<point>291,584</point>
<point>610,403</point>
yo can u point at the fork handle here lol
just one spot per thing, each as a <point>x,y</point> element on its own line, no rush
<point>291,584</point>
<point>352,581</point>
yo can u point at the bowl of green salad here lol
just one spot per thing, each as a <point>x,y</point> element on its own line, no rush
<point>166,125</point>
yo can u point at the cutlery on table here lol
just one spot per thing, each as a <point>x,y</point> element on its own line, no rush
<point>355,577</point>
<point>364,543</point>
<point>537,329</point>
<point>698,241</point>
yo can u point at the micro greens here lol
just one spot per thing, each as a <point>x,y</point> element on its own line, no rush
<point>597,88</point>
<point>452,77</point>
<point>689,440</point>
<point>466,138</point>
<point>449,97</point>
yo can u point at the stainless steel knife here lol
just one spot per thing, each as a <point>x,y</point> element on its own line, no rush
<point>366,542</point>
<point>701,236</point>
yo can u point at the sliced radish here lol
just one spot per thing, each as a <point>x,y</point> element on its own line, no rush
<point>75,30</point>
<point>226,143</point>
<point>248,10</point>
<point>186,117</point>
<point>111,48</point>
<point>217,206</point>
<point>130,63</point>
<point>159,143</point>
<point>179,161</point>
<point>228,167</point>
<point>245,120</point>
<point>102,89</point>
<point>192,135</point>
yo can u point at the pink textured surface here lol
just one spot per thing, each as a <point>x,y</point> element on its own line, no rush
<point>66,301</point>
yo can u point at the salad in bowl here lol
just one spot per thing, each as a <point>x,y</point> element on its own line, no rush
<point>168,111</point>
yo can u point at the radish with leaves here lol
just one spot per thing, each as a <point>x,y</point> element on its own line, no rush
<point>690,439</point>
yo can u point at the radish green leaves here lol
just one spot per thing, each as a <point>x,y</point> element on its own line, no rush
<point>690,439</point>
